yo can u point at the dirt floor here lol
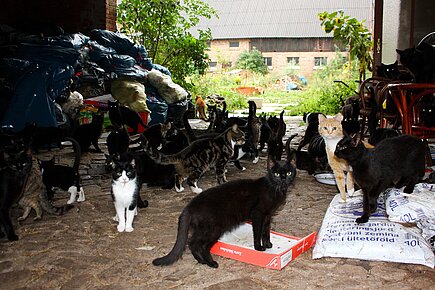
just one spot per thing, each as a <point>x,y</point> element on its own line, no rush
<point>83,250</point>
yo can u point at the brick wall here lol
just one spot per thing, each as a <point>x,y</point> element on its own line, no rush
<point>71,15</point>
<point>220,52</point>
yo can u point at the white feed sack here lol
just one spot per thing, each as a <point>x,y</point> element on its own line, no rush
<point>378,240</point>
<point>168,90</point>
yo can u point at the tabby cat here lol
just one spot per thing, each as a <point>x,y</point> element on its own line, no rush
<point>87,134</point>
<point>223,208</point>
<point>332,132</point>
<point>62,176</point>
<point>398,161</point>
<point>121,115</point>
<point>203,154</point>
<point>35,197</point>
<point>15,165</point>
<point>125,191</point>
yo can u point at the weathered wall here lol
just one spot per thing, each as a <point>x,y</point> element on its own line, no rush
<point>71,15</point>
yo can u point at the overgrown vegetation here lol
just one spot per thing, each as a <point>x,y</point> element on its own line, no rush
<point>252,61</point>
<point>162,26</point>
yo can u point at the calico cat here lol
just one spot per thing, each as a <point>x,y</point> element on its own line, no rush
<point>398,161</point>
<point>200,108</point>
<point>223,208</point>
<point>15,165</point>
<point>420,61</point>
<point>201,155</point>
<point>122,115</point>
<point>125,191</point>
<point>332,132</point>
<point>87,134</point>
<point>35,197</point>
<point>64,177</point>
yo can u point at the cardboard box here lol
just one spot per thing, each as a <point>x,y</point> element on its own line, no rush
<point>239,245</point>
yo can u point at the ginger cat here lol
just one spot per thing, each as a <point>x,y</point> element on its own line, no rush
<point>331,131</point>
<point>200,108</point>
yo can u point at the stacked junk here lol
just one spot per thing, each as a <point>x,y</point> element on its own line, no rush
<point>40,75</point>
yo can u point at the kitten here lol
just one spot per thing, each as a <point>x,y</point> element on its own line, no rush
<point>223,208</point>
<point>201,155</point>
<point>15,165</point>
<point>122,115</point>
<point>420,61</point>
<point>125,191</point>
<point>87,134</point>
<point>332,132</point>
<point>200,108</point>
<point>398,161</point>
<point>64,177</point>
<point>35,197</point>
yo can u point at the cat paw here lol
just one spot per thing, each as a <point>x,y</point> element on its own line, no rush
<point>115,218</point>
<point>243,168</point>
<point>256,159</point>
<point>129,229</point>
<point>260,248</point>
<point>121,228</point>
<point>196,190</point>
<point>268,245</point>
<point>356,193</point>
<point>351,192</point>
<point>342,200</point>
<point>362,220</point>
<point>180,189</point>
<point>37,218</point>
<point>70,201</point>
<point>20,219</point>
<point>212,264</point>
<point>12,237</point>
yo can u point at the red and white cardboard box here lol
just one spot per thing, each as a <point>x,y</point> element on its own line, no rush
<point>239,245</point>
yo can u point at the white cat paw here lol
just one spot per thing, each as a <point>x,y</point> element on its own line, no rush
<point>129,229</point>
<point>115,218</point>
<point>179,189</point>
<point>81,195</point>
<point>256,159</point>
<point>356,193</point>
<point>196,189</point>
<point>342,200</point>
<point>121,228</point>
<point>243,168</point>
<point>70,201</point>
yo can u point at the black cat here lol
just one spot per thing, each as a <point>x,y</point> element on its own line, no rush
<point>420,61</point>
<point>15,166</point>
<point>87,134</point>
<point>398,161</point>
<point>380,134</point>
<point>312,121</point>
<point>122,115</point>
<point>118,140</point>
<point>275,144</point>
<point>388,71</point>
<point>152,173</point>
<point>62,176</point>
<point>220,209</point>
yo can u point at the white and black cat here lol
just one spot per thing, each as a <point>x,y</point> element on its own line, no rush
<point>396,161</point>
<point>62,176</point>
<point>222,208</point>
<point>125,191</point>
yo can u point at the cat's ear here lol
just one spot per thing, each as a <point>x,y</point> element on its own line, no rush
<point>338,117</point>
<point>321,117</point>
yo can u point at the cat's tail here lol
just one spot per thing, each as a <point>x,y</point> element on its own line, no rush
<point>78,152</point>
<point>180,243</point>
<point>289,151</point>
<point>188,129</point>
<point>49,208</point>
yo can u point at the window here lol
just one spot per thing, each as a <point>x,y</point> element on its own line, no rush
<point>268,61</point>
<point>293,61</point>
<point>320,61</point>
<point>234,44</point>
<point>212,65</point>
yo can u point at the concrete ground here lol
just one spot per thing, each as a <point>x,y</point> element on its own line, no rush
<point>83,250</point>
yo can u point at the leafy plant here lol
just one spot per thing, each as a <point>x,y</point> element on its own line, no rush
<point>252,61</point>
<point>352,33</point>
<point>162,26</point>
